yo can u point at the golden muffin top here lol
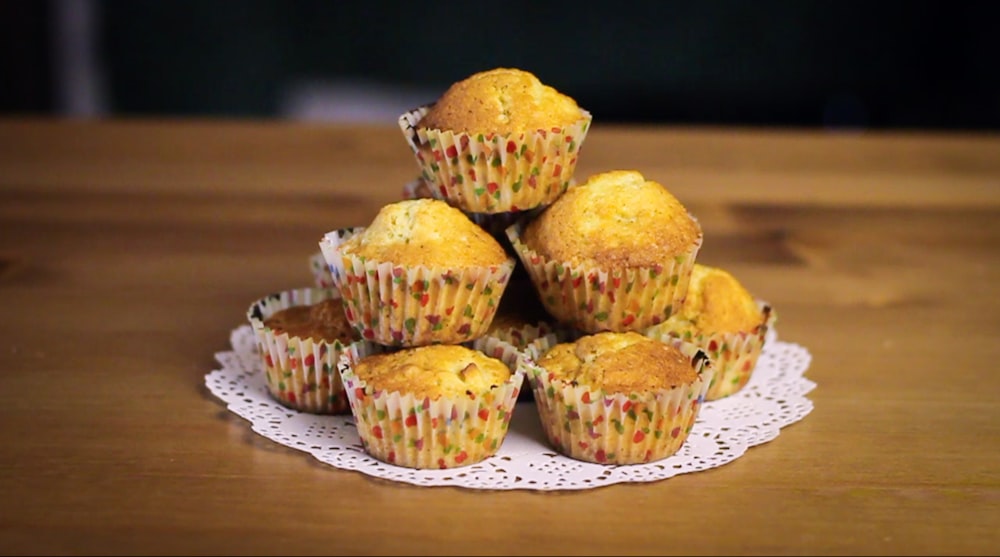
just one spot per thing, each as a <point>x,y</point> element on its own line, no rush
<point>615,219</point>
<point>619,363</point>
<point>425,232</point>
<point>321,321</point>
<point>434,370</point>
<point>716,303</point>
<point>502,100</point>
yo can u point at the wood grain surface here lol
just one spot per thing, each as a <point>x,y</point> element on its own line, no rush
<point>130,249</point>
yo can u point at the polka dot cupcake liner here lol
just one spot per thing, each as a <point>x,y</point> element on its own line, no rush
<point>417,432</point>
<point>521,335</point>
<point>399,305</point>
<point>495,173</point>
<point>733,355</point>
<point>301,373</point>
<point>594,300</point>
<point>619,428</point>
<point>520,318</point>
<point>320,271</point>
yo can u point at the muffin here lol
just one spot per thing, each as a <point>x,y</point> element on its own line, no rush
<point>420,273</point>
<point>498,141</point>
<point>433,406</point>
<point>721,317</point>
<point>612,254</point>
<point>300,335</point>
<point>617,397</point>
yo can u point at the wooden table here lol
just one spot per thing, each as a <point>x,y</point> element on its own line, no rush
<point>130,249</point>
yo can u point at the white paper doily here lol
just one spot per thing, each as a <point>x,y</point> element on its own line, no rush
<point>774,398</point>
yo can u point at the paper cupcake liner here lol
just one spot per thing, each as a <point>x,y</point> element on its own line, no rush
<point>617,428</point>
<point>520,336</point>
<point>301,373</point>
<point>416,432</point>
<point>594,300</point>
<point>494,173</point>
<point>520,319</point>
<point>414,305</point>
<point>320,271</point>
<point>733,355</point>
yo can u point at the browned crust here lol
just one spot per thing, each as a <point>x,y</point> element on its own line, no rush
<point>426,232</point>
<point>619,363</point>
<point>432,371</point>
<point>717,302</point>
<point>501,100</point>
<point>322,321</point>
<point>615,219</point>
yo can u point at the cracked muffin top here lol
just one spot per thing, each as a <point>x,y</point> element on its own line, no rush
<point>614,362</point>
<point>427,232</point>
<point>504,101</point>
<point>615,219</point>
<point>434,370</point>
<point>716,302</point>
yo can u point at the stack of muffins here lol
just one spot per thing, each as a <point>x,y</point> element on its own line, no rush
<point>497,265</point>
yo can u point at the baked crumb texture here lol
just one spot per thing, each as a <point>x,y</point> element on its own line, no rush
<point>612,254</point>
<point>498,141</point>
<point>321,321</point>
<point>720,316</point>
<point>494,223</point>
<point>617,397</point>
<point>420,273</point>
<point>436,406</point>
<point>300,335</point>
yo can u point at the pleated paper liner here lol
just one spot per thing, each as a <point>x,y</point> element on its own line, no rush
<point>593,299</point>
<point>399,305</point>
<point>448,432</point>
<point>301,373</point>
<point>733,354</point>
<point>320,271</point>
<point>616,428</point>
<point>495,173</point>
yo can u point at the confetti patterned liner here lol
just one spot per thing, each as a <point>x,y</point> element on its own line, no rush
<point>520,318</point>
<point>733,355</point>
<point>416,432</point>
<point>416,305</point>
<point>520,336</point>
<point>301,373</point>
<point>616,428</point>
<point>594,300</point>
<point>495,173</point>
<point>320,271</point>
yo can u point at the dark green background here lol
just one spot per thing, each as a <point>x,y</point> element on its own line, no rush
<point>778,62</point>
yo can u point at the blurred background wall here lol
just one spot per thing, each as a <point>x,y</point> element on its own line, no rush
<point>835,64</point>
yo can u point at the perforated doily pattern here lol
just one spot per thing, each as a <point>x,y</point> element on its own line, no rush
<point>774,398</point>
